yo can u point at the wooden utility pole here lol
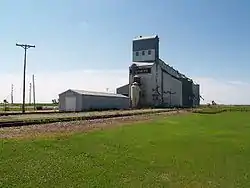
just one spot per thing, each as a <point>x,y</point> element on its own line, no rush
<point>30,94</point>
<point>25,47</point>
<point>12,98</point>
<point>34,92</point>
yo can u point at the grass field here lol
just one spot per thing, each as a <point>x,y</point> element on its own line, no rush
<point>194,150</point>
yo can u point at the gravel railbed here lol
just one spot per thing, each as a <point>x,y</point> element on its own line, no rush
<point>32,131</point>
<point>24,117</point>
<point>24,121</point>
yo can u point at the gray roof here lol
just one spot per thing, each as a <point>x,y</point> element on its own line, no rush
<point>171,70</point>
<point>95,93</point>
<point>124,86</point>
<point>145,37</point>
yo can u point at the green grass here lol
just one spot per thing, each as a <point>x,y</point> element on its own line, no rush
<point>221,108</point>
<point>196,150</point>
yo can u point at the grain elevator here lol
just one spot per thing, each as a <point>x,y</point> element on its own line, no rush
<point>153,83</point>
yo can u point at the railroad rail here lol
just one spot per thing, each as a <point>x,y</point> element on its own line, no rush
<point>31,112</point>
<point>18,123</point>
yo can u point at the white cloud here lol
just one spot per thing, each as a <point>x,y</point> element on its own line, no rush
<point>50,84</point>
<point>225,92</point>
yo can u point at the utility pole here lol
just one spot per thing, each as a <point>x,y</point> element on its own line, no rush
<point>34,92</point>
<point>25,47</point>
<point>30,94</point>
<point>12,98</point>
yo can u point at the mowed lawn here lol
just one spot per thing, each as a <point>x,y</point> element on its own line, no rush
<point>179,151</point>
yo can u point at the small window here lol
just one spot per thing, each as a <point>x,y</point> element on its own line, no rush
<point>137,53</point>
<point>143,52</point>
<point>149,52</point>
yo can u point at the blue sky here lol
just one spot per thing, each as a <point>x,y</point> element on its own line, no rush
<point>201,38</point>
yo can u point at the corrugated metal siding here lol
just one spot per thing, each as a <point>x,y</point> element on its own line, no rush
<point>187,93</point>
<point>102,102</point>
<point>196,91</point>
<point>173,85</point>
<point>187,84</point>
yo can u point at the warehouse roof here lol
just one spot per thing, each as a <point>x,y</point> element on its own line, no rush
<point>124,86</point>
<point>95,93</point>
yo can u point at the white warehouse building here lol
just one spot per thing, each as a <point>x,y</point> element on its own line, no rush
<point>81,100</point>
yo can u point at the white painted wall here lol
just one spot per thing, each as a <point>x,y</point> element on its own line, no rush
<point>145,57</point>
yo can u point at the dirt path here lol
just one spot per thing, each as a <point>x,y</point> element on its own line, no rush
<point>67,128</point>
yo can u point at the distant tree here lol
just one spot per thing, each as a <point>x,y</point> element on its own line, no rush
<point>6,108</point>
<point>55,101</point>
<point>213,103</point>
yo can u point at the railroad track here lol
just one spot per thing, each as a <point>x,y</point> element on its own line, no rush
<point>31,112</point>
<point>18,123</point>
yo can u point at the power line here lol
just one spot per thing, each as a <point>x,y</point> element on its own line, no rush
<point>25,47</point>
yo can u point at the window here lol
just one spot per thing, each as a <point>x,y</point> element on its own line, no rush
<point>149,52</point>
<point>143,52</point>
<point>137,53</point>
